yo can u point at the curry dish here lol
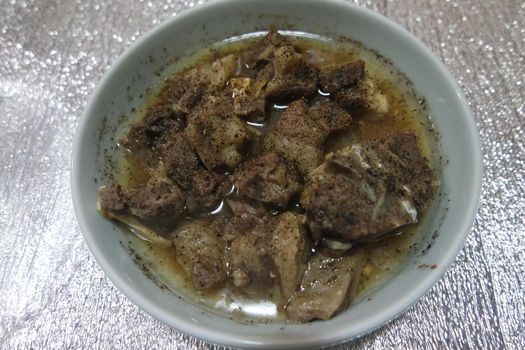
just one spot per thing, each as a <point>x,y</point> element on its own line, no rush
<point>255,171</point>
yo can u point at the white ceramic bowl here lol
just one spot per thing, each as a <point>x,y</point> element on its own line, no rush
<point>218,20</point>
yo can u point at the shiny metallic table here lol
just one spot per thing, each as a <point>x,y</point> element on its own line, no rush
<point>53,294</point>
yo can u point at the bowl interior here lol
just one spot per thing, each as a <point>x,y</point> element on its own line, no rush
<point>451,217</point>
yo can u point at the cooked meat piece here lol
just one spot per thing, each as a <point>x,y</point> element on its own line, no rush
<point>189,88</point>
<point>182,165</point>
<point>300,133</point>
<point>264,75</point>
<point>329,117</point>
<point>364,95</point>
<point>267,253</point>
<point>251,266</point>
<point>160,200</point>
<point>222,69</point>
<point>276,66</point>
<point>297,123</point>
<point>217,135</point>
<point>201,253</point>
<point>420,183</point>
<point>159,237</point>
<point>158,124</point>
<point>351,89</point>
<point>326,287</point>
<point>351,99</point>
<point>293,78</point>
<point>111,199</point>
<point>399,159</point>
<point>238,225</point>
<point>268,179</point>
<point>114,204</point>
<point>248,98</point>
<point>185,91</point>
<point>264,51</point>
<point>290,249</point>
<point>366,190</point>
<point>180,160</point>
<point>332,206</point>
<point>208,187</point>
<point>348,75</point>
<point>297,138</point>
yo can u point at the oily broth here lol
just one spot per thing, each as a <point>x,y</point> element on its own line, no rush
<point>384,257</point>
<point>162,265</point>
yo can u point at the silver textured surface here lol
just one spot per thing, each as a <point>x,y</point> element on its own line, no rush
<point>53,294</point>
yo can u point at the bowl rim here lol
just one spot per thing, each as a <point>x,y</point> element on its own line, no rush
<point>187,326</point>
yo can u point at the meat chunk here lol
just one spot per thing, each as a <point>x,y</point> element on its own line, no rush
<point>264,51</point>
<point>160,200</point>
<point>352,89</point>
<point>293,78</point>
<point>326,287</point>
<point>252,266</point>
<point>209,187</point>
<point>366,190</point>
<point>183,166</point>
<point>201,253</point>
<point>111,199</point>
<point>290,249</point>
<point>180,160</point>
<point>397,162</point>
<point>348,75</point>
<point>300,133</point>
<point>248,97</point>
<point>268,179</point>
<point>222,69</point>
<point>296,137</point>
<point>218,136</point>
<point>364,95</point>
<point>279,70</point>
<point>185,92</point>
<point>157,125</point>
<point>268,253</point>
<point>240,224</point>
<point>149,211</point>
<point>329,117</point>
<point>332,207</point>
<point>160,237</point>
<point>188,89</point>
<point>418,180</point>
